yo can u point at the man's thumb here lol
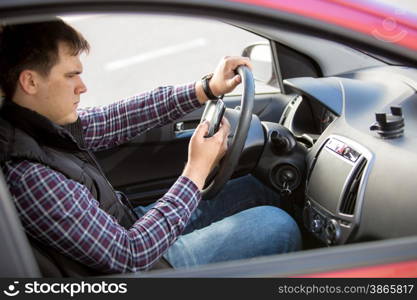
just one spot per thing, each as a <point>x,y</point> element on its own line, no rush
<point>202,129</point>
<point>234,81</point>
<point>237,79</point>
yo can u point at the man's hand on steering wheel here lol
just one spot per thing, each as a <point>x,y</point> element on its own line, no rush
<point>224,78</point>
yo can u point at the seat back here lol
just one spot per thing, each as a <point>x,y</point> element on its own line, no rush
<point>16,256</point>
<point>54,264</point>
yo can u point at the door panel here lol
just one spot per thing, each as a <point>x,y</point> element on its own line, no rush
<point>146,167</point>
<point>387,258</point>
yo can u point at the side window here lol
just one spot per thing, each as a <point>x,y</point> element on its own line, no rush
<point>136,53</point>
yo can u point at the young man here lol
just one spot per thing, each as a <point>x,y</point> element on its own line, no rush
<point>62,196</point>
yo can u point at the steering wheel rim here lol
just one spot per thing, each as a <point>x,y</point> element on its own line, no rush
<point>231,158</point>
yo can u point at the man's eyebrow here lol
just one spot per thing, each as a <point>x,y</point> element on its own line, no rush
<point>76,72</point>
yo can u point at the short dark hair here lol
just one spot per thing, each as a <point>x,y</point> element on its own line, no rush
<point>34,46</point>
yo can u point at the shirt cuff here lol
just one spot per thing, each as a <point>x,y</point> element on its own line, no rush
<point>185,190</point>
<point>187,97</point>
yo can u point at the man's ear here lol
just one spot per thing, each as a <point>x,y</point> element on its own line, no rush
<point>29,81</point>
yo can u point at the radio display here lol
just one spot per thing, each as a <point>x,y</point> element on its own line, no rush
<point>327,179</point>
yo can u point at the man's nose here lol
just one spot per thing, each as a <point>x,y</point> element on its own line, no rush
<point>81,88</point>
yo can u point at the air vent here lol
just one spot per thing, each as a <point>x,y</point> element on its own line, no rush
<point>349,200</point>
<point>285,115</point>
<point>288,108</point>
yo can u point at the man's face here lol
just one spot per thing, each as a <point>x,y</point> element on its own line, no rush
<point>59,92</point>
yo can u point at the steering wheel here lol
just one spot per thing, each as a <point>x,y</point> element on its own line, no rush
<point>240,120</point>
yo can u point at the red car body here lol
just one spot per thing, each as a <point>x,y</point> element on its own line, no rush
<point>370,18</point>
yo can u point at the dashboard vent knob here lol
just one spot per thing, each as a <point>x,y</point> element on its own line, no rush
<point>389,126</point>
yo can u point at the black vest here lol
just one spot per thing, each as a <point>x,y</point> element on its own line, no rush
<point>27,135</point>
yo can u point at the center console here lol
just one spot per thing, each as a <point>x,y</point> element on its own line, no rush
<point>335,189</point>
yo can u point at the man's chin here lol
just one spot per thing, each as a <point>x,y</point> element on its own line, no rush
<point>69,119</point>
<point>74,117</point>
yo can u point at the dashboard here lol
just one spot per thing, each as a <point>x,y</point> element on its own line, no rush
<point>360,174</point>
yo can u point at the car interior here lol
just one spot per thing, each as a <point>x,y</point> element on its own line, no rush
<point>337,142</point>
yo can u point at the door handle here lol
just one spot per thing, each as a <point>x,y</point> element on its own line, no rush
<point>182,132</point>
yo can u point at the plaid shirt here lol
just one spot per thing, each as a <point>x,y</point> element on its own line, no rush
<point>62,213</point>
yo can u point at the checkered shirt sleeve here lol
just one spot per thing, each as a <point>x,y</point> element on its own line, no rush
<point>112,125</point>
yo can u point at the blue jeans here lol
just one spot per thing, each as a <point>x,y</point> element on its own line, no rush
<point>242,221</point>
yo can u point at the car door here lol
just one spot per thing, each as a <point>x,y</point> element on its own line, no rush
<point>181,50</point>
